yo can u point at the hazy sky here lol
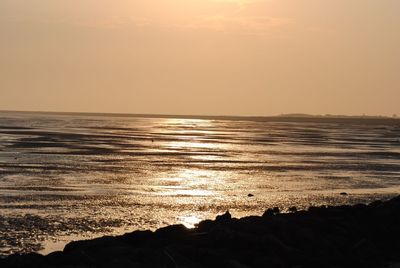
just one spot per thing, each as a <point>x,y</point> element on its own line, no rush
<point>225,57</point>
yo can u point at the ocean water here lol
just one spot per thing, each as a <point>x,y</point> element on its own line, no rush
<point>68,177</point>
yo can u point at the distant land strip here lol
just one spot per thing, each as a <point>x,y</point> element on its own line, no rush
<point>366,119</point>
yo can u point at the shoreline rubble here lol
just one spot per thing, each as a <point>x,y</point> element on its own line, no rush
<point>335,236</point>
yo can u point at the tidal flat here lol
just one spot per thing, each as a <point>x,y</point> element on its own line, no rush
<point>65,177</point>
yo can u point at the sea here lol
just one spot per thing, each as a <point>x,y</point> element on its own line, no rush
<point>66,177</point>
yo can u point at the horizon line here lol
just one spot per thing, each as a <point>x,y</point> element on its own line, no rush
<point>194,116</point>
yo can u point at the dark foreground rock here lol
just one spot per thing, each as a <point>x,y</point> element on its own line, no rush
<point>342,236</point>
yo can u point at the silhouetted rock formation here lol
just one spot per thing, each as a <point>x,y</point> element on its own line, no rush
<point>342,236</point>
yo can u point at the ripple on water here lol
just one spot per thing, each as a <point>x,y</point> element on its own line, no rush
<point>67,177</point>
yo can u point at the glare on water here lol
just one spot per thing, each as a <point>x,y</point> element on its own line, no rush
<point>68,176</point>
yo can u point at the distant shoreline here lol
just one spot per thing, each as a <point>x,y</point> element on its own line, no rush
<point>276,118</point>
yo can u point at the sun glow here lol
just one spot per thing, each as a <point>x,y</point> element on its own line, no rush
<point>188,182</point>
<point>193,134</point>
<point>189,221</point>
<point>188,122</point>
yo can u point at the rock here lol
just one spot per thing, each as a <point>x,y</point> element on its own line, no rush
<point>27,260</point>
<point>211,257</point>
<point>108,254</point>
<point>205,226</point>
<point>56,258</point>
<point>270,262</point>
<point>293,209</point>
<point>393,265</point>
<point>271,212</point>
<point>77,258</point>
<point>276,210</point>
<point>87,244</point>
<point>224,217</point>
<point>275,246</point>
<point>335,236</point>
<point>122,263</point>
<point>317,210</point>
<point>235,264</point>
<point>376,203</point>
<point>365,249</point>
<point>172,232</point>
<point>138,238</point>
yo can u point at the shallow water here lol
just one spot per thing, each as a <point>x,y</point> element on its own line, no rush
<point>65,177</point>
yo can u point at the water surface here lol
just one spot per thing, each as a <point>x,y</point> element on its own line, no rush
<point>65,177</point>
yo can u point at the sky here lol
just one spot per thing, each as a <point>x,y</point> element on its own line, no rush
<point>201,57</point>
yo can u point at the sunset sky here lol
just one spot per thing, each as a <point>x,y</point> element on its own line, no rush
<point>205,57</point>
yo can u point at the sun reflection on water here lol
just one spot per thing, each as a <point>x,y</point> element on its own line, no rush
<point>192,144</point>
<point>188,182</point>
<point>189,221</point>
<point>188,122</point>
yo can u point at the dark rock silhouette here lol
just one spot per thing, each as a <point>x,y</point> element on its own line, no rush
<point>334,236</point>
<point>225,217</point>
<point>293,209</point>
<point>271,212</point>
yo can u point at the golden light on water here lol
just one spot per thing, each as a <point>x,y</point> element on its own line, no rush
<point>189,221</point>
<point>188,122</point>
<point>194,134</point>
<point>193,138</point>
<point>191,144</point>
<point>188,182</point>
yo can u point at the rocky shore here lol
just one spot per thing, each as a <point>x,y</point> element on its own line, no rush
<point>342,236</point>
